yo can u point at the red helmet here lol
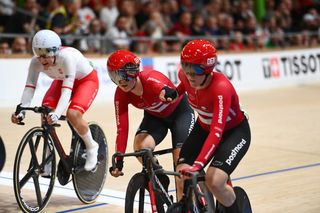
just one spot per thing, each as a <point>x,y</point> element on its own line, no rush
<point>123,65</point>
<point>201,53</point>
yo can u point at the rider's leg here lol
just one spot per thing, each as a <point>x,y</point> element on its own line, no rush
<point>216,181</point>
<point>143,140</point>
<point>82,127</point>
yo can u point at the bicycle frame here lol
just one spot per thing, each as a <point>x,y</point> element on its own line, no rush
<point>50,131</point>
<point>150,167</point>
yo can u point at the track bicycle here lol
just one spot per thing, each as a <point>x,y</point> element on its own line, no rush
<point>36,150</point>
<point>148,189</point>
<point>2,154</point>
<point>194,199</point>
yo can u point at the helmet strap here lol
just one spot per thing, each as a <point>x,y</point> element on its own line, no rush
<point>204,80</point>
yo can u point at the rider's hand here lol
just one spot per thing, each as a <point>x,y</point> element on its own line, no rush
<point>17,118</point>
<point>168,94</point>
<point>194,168</point>
<point>117,171</point>
<point>52,118</point>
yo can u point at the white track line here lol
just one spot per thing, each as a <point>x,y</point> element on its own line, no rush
<point>107,195</point>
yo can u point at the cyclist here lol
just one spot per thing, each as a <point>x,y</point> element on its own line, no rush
<point>75,81</point>
<point>142,90</point>
<point>221,133</point>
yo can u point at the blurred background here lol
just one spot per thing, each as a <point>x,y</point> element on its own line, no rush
<point>161,26</point>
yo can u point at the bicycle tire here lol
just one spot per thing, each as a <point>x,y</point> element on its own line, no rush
<point>88,185</point>
<point>175,208</point>
<point>2,154</point>
<point>242,200</point>
<point>137,184</point>
<point>31,174</point>
<point>208,197</point>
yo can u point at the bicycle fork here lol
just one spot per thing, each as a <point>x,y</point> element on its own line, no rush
<point>152,198</point>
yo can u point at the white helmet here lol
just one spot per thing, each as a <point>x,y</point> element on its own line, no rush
<point>46,43</point>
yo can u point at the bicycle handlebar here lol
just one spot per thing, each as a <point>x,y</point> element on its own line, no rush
<point>42,110</point>
<point>143,152</point>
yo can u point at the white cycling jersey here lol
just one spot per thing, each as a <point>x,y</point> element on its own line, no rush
<point>70,64</point>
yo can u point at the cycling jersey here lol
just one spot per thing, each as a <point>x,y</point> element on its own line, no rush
<point>70,66</point>
<point>218,110</point>
<point>152,82</point>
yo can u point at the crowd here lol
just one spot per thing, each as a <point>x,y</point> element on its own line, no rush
<point>160,26</point>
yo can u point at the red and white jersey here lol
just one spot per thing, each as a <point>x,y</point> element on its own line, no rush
<point>69,65</point>
<point>152,83</point>
<point>218,109</point>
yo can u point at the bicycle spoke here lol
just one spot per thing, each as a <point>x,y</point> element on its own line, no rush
<point>141,200</point>
<point>25,179</point>
<point>33,153</point>
<point>37,188</point>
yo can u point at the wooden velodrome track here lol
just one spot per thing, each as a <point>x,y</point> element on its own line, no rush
<point>281,171</point>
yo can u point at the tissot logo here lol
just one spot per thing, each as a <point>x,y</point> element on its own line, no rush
<point>271,68</point>
<point>294,65</point>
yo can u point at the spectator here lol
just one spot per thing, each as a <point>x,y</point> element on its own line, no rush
<point>118,35</point>
<point>211,26</point>
<point>154,28</point>
<point>4,48</point>
<point>86,15</point>
<point>94,38</point>
<point>6,11</point>
<point>19,45</point>
<point>127,8</point>
<point>24,19</point>
<point>197,26</point>
<point>181,30</point>
<point>109,14</point>
<point>236,43</point>
<point>57,16</point>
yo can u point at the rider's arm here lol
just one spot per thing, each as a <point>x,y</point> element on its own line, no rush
<point>122,120</point>
<point>180,88</point>
<point>222,103</point>
<point>67,85</point>
<point>31,83</point>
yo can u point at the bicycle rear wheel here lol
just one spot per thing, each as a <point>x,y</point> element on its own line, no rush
<point>242,200</point>
<point>88,185</point>
<point>31,190</point>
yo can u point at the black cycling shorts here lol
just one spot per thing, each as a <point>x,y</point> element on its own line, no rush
<point>180,123</point>
<point>231,149</point>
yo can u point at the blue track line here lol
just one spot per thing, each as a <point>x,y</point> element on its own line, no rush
<point>235,179</point>
<point>83,208</point>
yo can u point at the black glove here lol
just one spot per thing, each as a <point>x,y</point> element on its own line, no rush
<point>170,93</point>
<point>119,166</point>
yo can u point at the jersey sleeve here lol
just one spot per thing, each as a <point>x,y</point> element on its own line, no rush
<point>31,83</point>
<point>222,103</point>
<point>122,119</point>
<point>67,85</point>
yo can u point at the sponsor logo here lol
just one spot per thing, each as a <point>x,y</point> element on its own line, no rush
<point>117,113</point>
<point>217,163</point>
<point>191,123</point>
<point>286,66</point>
<point>235,151</point>
<point>220,97</point>
<point>211,61</point>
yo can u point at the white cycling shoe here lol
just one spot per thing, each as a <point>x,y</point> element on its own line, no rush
<point>92,158</point>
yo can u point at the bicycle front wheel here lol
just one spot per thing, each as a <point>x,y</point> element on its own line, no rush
<point>137,194</point>
<point>88,185</point>
<point>32,190</point>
